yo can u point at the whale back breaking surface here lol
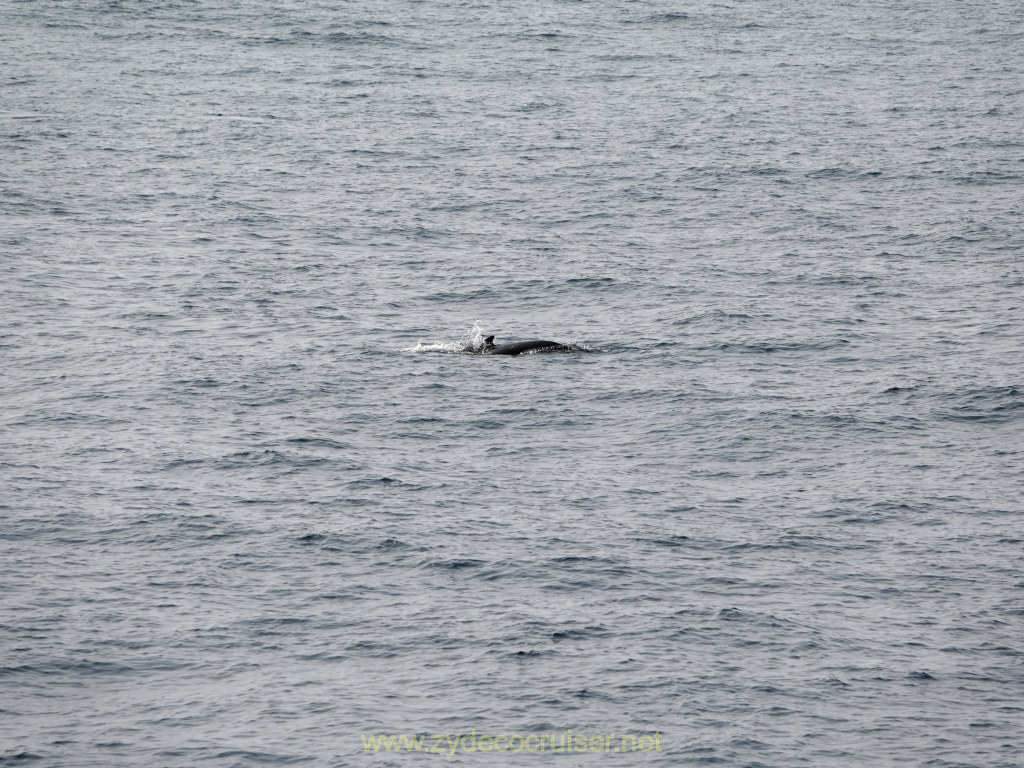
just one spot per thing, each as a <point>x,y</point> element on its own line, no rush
<point>476,344</point>
<point>518,347</point>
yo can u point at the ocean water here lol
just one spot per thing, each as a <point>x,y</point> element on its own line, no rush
<point>260,504</point>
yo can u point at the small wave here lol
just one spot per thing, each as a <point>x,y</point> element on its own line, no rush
<point>19,758</point>
<point>986,405</point>
<point>453,565</point>
<point>669,17</point>
<point>781,346</point>
<point>320,442</point>
<point>592,282</point>
<point>578,634</point>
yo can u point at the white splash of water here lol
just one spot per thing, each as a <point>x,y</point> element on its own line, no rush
<point>471,342</point>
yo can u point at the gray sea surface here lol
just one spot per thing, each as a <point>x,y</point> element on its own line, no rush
<point>261,502</point>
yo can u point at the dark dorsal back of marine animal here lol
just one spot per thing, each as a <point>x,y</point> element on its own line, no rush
<point>518,347</point>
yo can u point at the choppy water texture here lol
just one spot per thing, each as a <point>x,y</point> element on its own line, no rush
<point>251,510</point>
